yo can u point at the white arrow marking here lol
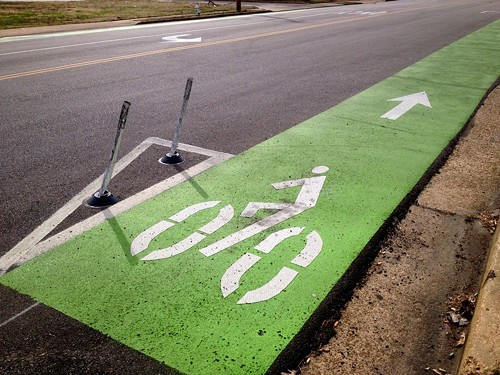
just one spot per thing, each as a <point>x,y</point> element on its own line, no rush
<point>407,103</point>
<point>176,39</point>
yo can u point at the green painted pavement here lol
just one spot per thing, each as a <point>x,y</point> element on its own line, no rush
<point>173,309</point>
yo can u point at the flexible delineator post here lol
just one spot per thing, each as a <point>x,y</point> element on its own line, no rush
<point>114,152</point>
<point>173,157</point>
<point>103,198</point>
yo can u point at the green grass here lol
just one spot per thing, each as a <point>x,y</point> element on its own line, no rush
<point>30,14</point>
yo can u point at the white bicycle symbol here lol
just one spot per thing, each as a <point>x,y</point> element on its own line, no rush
<point>230,281</point>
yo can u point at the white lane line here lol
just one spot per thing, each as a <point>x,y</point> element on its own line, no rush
<point>32,246</point>
<point>125,28</point>
<point>28,37</point>
<point>81,44</point>
<point>136,27</point>
<point>19,314</point>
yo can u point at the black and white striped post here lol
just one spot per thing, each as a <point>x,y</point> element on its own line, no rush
<point>103,198</point>
<point>173,156</point>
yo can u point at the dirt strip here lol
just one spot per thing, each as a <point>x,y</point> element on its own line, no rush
<point>411,313</point>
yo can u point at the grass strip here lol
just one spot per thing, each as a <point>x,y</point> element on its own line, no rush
<point>31,14</point>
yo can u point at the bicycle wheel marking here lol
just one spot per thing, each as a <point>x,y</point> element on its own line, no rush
<point>225,215</point>
<point>191,210</point>
<point>177,310</point>
<point>274,239</point>
<point>310,252</point>
<point>230,281</point>
<point>271,289</point>
<point>180,247</point>
<point>141,242</point>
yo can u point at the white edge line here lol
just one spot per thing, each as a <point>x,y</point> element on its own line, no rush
<point>32,245</point>
<point>318,12</point>
<point>19,314</point>
<point>115,28</point>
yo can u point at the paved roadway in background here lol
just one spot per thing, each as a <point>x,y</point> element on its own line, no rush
<point>233,98</point>
<point>249,84</point>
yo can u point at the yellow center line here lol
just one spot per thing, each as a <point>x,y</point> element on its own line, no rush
<point>198,45</point>
<point>175,49</point>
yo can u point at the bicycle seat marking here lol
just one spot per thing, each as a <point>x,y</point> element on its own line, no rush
<point>230,280</point>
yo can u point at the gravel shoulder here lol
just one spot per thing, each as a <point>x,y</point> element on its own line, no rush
<point>399,319</point>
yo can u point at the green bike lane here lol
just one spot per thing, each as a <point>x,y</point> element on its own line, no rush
<point>221,302</point>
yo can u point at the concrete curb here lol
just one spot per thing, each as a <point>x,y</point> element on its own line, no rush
<point>482,348</point>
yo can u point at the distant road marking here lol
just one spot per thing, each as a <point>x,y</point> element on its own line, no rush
<point>362,16</point>
<point>30,37</point>
<point>365,13</point>
<point>180,39</point>
<point>19,314</point>
<point>323,12</point>
<point>80,44</point>
<point>125,28</point>
<point>175,49</point>
<point>32,245</point>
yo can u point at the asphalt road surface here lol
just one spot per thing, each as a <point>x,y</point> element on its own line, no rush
<point>254,76</point>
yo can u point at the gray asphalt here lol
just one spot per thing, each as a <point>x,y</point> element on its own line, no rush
<point>57,127</point>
